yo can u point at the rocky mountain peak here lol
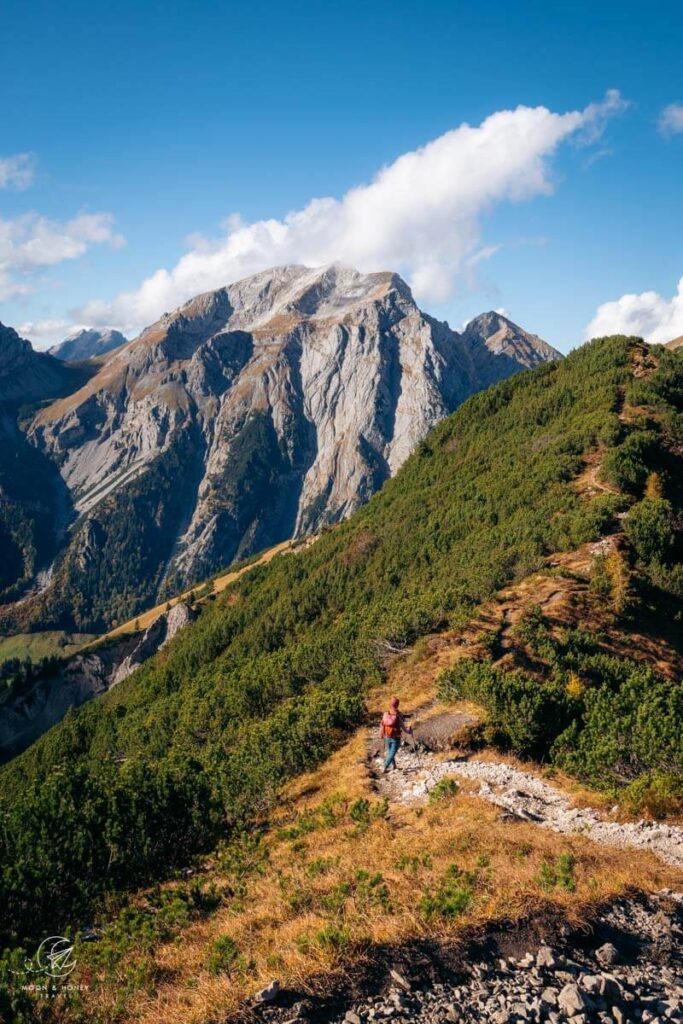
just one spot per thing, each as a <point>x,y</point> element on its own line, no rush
<point>259,411</point>
<point>15,352</point>
<point>29,376</point>
<point>290,291</point>
<point>503,337</point>
<point>86,343</point>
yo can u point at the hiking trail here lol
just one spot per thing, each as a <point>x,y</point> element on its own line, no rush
<point>523,797</point>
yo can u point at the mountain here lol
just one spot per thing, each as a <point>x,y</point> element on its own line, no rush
<point>27,376</point>
<point>33,497</point>
<point>86,344</point>
<point>508,344</point>
<point>263,410</point>
<point>676,343</point>
<point>580,455</point>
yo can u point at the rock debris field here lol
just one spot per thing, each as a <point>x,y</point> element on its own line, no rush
<point>524,796</point>
<point>627,969</point>
<point>610,984</point>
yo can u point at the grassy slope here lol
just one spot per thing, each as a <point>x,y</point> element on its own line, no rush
<point>258,689</point>
<point>36,646</point>
<point>312,899</point>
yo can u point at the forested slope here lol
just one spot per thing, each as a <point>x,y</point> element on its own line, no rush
<point>197,742</point>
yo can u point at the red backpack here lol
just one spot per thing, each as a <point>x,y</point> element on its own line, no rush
<point>391,725</point>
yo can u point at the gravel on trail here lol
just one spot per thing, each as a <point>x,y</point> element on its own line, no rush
<point>524,796</point>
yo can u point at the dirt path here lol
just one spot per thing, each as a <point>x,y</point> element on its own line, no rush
<point>524,796</point>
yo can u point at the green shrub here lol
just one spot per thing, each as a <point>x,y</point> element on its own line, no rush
<point>444,789</point>
<point>526,715</point>
<point>223,956</point>
<point>631,725</point>
<point>452,897</point>
<point>558,873</point>
<point>628,465</point>
<point>333,938</point>
<point>650,528</point>
<point>657,793</point>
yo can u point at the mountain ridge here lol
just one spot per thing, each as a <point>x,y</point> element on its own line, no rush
<point>255,412</point>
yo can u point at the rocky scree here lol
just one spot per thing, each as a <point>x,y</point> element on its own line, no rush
<point>625,966</point>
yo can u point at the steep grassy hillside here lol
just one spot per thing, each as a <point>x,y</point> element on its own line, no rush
<point>310,896</point>
<point>35,646</point>
<point>262,686</point>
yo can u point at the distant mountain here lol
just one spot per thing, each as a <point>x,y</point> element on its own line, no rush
<point>259,411</point>
<point>676,343</point>
<point>506,341</point>
<point>87,343</point>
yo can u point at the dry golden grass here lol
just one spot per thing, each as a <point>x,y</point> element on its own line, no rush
<point>287,924</point>
<point>310,916</point>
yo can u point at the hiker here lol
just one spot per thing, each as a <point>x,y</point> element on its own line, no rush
<point>391,727</point>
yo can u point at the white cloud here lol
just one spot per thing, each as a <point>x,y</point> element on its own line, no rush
<point>647,315</point>
<point>420,215</point>
<point>671,120</point>
<point>30,243</point>
<point>44,332</point>
<point>596,116</point>
<point>16,171</point>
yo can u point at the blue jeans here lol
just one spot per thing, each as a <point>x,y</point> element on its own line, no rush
<point>391,746</point>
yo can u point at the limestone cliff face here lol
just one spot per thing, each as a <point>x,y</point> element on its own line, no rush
<point>255,412</point>
<point>28,712</point>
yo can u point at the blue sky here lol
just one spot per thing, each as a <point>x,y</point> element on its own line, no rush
<point>148,125</point>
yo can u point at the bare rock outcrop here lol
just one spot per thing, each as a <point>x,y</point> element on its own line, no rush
<point>156,636</point>
<point>259,411</point>
<point>26,715</point>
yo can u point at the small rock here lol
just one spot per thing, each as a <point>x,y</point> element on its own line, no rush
<point>399,979</point>
<point>609,988</point>
<point>545,958</point>
<point>618,1015</point>
<point>607,954</point>
<point>572,1001</point>
<point>549,996</point>
<point>268,994</point>
<point>352,1017</point>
